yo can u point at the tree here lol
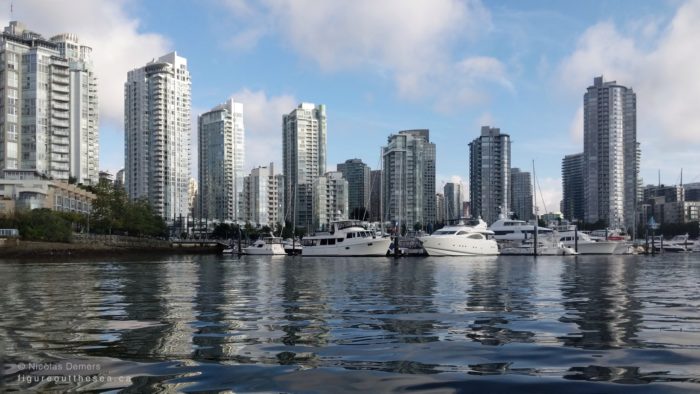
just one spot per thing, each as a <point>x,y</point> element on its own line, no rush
<point>417,226</point>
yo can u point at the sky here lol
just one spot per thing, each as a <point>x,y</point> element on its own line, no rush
<point>383,66</point>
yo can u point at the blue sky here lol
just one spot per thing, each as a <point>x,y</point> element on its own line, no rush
<point>383,66</point>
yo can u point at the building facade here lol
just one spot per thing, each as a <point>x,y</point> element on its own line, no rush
<point>157,108</point>
<point>263,197</point>
<point>26,190</point>
<point>330,200</point>
<point>521,200</point>
<point>357,174</point>
<point>572,203</point>
<point>303,159</point>
<point>453,200</point>
<point>610,154</point>
<point>408,184</point>
<point>489,174</point>
<point>49,120</point>
<point>221,160</point>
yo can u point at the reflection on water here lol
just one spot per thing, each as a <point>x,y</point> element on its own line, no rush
<point>606,309</point>
<point>205,323</point>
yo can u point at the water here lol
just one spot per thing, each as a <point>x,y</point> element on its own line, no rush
<point>271,324</point>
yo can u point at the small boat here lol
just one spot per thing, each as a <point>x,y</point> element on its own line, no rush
<point>266,246</point>
<point>586,245</point>
<point>346,238</point>
<point>292,247</point>
<point>679,243</point>
<point>465,237</point>
<point>544,248</point>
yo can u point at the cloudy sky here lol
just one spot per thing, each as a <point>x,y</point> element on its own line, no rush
<point>383,66</point>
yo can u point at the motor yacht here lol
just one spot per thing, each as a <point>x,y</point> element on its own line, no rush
<point>346,238</point>
<point>464,238</point>
<point>516,230</point>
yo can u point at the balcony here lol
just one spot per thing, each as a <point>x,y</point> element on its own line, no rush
<point>59,122</point>
<point>59,88</point>
<point>60,96</point>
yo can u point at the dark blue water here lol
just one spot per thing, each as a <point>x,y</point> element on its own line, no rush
<point>264,324</point>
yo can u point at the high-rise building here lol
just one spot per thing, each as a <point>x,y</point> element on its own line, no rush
<point>157,132</point>
<point>610,154</point>
<point>453,200</point>
<point>521,194</point>
<point>375,196</point>
<point>408,185</point>
<point>119,179</point>
<point>572,204</point>
<point>330,200</point>
<point>263,197</point>
<point>221,160</point>
<point>357,174</point>
<point>489,174</point>
<point>304,159</point>
<point>440,209</point>
<point>49,120</point>
<point>192,200</point>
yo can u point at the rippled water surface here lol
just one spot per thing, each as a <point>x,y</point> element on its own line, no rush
<point>271,324</point>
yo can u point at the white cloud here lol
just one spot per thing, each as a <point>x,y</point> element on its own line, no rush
<point>660,63</point>
<point>548,195</point>
<point>262,116</point>
<point>117,43</point>
<point>576,127</point>
<point>409,40</point>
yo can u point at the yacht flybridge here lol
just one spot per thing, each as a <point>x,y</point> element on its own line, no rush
<point>516,230</point>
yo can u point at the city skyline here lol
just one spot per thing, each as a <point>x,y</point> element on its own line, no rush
<point>531,88</point>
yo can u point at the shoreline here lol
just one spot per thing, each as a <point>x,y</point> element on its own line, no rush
<point>34,249</point>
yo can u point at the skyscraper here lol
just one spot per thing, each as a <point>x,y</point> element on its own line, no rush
<point>521,194</point>
<point>440,208</point>
<point>408,186</point>
<point>357,174</point>
<point>572,187</point>
<point>330,195</point>
<point>49,120</point>
<point>304,159</point>
<point>489,174</point>
<point>453,200</point>
<point>157,133</point>
<point>263,197</point>
<point>610,154</point>
<point>375,195</point>
<point>221,160</point>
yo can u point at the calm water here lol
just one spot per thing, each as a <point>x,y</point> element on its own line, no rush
<point>264,324</point>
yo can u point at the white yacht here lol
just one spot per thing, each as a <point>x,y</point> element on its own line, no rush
<point>586,245</point>
<point>465,238</point>
<point>346,238</point>
<point>516,230</point>
<point>266,246</point>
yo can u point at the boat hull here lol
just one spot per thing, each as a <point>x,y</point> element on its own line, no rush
<point>435,246</point>
<point>360,247</point>
<point>603,247</point>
